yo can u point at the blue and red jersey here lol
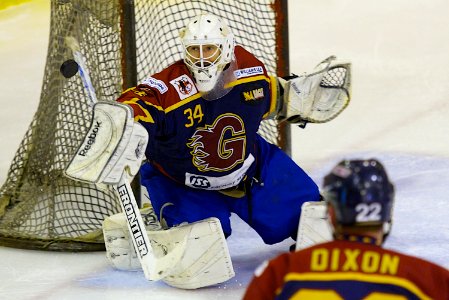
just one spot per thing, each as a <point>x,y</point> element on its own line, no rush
<point>349,270</point>
<point>202,143</point>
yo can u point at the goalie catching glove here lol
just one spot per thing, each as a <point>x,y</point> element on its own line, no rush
<point>317,97</point>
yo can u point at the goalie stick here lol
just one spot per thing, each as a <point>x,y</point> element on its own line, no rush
<point>152,270</point>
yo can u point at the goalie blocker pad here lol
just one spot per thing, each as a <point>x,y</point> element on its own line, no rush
<point>192,255</point>
<point>314,227</point>
<point>113,143</point>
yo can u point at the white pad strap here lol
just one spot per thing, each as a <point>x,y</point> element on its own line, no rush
<point>113,143</point>
<point>317,97</point>
<point>314,227</point>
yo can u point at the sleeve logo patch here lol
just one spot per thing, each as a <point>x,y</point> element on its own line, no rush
<point>156,83</point>
<point>241,73</point>
<point>252,95</point>
<point>184,86</point>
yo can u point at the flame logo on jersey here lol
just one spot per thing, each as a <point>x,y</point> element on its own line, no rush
<point>220,146</point>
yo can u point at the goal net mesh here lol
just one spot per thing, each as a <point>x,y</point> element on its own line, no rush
<point>39,207</point>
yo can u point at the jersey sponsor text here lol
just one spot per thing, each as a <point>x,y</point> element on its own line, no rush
<point>156,83</point>
<point>247,72</point>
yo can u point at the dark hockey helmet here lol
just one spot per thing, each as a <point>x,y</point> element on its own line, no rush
<point>360,192</point>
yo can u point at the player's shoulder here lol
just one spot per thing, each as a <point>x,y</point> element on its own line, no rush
<point>248,65</point>
<point>172,84</point>
<point>417,262</point>
<point>245,57</point>
<point>369,249</point>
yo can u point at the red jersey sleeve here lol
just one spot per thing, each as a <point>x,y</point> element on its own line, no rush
<point>156,95</point>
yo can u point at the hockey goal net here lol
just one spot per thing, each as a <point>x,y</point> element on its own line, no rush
<point>123,42</point>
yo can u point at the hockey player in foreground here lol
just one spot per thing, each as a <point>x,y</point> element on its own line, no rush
<point>205,159</point>
<point>353,266</point>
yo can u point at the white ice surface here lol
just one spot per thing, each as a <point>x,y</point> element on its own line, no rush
<point>399,114</point>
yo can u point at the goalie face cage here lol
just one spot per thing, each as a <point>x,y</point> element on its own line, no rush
<point>42,209</point>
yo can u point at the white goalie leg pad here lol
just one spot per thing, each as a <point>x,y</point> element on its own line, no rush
<point>314,227</point>
<point>320,96</point>
<point>120,251</point>
<point>206,260</point>
<point>119,247</point>
<point>192,255</point>
<point>168,246</point>
<point>113,143</point>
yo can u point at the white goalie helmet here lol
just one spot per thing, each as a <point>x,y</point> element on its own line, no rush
<point>208,48</point>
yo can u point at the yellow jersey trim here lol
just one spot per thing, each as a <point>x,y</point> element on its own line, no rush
<point>229,85</point>
<point>181,103</point>
<point>147,117</point>
<point>246,80</point>
<point>274,96</point>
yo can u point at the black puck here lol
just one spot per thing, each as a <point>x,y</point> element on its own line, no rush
<point>69,68</point>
